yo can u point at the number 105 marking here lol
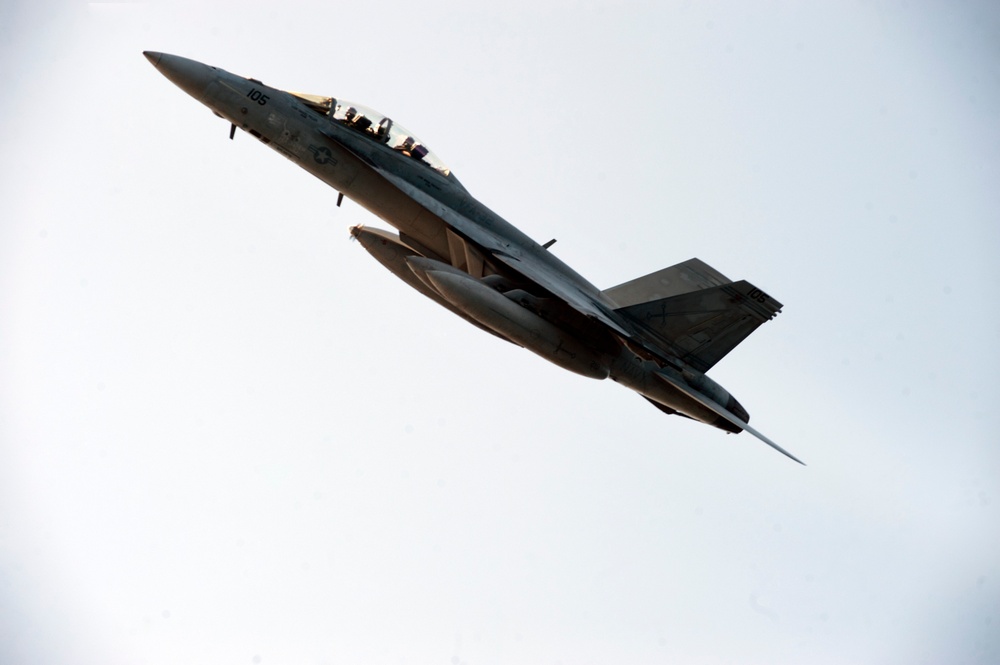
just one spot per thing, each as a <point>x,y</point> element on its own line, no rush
<point>257,96</point>
<point>758,295</point>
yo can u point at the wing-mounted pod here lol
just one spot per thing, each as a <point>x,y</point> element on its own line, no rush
<point>393,253</point>
<point>389,250</point>
<point>509,315</point>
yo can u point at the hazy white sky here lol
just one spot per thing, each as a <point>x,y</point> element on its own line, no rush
<point>227,435</point>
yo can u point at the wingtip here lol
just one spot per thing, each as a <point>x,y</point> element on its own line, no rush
<point>725,413</point>
<point>789,455</point>
<point>751,430</point>
<point>775,446</point>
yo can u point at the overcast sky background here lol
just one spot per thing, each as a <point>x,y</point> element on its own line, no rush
<point>228,435</point>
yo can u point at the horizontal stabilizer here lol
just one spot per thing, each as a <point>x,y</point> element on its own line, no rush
<point>692,275</point>
<point>702,326</point>
<point>718,409</point>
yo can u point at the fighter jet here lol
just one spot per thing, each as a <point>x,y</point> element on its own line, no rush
<point>658,334</point>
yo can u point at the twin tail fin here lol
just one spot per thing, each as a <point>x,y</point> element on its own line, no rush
<point>694,311</point>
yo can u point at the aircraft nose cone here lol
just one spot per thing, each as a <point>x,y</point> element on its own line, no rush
<point>189,75</point>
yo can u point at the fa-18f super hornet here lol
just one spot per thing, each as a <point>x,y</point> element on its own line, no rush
<point>656,334</point>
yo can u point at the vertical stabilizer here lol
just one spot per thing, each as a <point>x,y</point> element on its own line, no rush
<point>702,326</point>
<point>692,275</point>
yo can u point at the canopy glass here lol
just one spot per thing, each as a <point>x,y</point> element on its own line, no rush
<point>375,126</point>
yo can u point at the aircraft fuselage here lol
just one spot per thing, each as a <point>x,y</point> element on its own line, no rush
<point>457,251</point>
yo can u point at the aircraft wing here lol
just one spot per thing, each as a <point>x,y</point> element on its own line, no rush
<point>492,243</point>
<point>561,288</point>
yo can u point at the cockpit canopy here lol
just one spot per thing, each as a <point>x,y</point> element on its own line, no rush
<point>375,126</point>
